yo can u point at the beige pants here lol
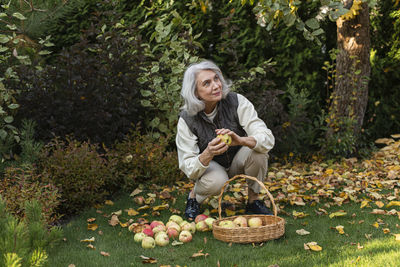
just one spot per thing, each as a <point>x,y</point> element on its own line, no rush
<point>246,161</point>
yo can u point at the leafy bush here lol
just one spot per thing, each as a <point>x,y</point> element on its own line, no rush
<point>142,159</point>
<point>19,185</point>
<point>78,170</point>
<point>23,242</point>
<point>91,91</point>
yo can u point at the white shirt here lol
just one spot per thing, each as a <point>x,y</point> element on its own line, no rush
<point>188,150</point>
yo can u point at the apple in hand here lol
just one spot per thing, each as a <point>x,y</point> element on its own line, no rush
<point>227,139</point>
<point>139,237</point>
<point>185,236</point>
<point>148,242</point>
<point>240,221</point>
<point>200,217</point>
<point>162,239</point>
<point>227,224</point>
<point>255,222</point>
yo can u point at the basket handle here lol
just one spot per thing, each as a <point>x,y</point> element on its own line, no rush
<point>247,177</point>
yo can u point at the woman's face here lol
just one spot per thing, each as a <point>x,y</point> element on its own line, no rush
<point>209,89</point>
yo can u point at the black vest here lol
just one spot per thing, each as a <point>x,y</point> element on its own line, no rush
<point>204,129</point>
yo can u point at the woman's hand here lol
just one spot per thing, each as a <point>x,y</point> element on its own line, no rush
<point>214,148</point>
<point>237,140</point>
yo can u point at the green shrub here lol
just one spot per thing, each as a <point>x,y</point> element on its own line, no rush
<point>143,159</point>
<point>91,91</point>
<point>23,242</point>
<point>21,185</point>
<point>78,170</point>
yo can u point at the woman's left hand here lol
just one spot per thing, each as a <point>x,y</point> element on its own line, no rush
<point>236,139</point>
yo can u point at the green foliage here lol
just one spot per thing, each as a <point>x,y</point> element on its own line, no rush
<point>91,90</point>
<point>171,48</point>
<point>142,159</point>
<point>21,185</point>
<point>23,242</point>
<point>78,171</point>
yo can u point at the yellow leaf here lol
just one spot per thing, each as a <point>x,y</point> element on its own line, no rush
<point>380,204</point>
<point>386,230</point>
<point>397,236</point>
<point>161,207</point>
<point>364,203</point>
<point>329,171</point>
<point>106,254</point>
<point>340,228</point>
<point>299,214</point>
<point>313,246</point>
<point>375,224</point>
<point>143,207</point>
<point>393,203</point>
<point>123,225</point>
<point>230,212</point>
<point>132,212</point>
<point>118,213</point>
<point>92,226</point>
<point>135,192</point>
<point>337,214</point>
<point>109,202</point>
<point>90,220</point>
<point>88,239</point>
<point>91,246</point>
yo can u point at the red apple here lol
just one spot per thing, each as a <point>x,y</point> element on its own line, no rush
<point>240,221</point>
<point>189,226</point>
<point>159,228</point>
<point>139,200</point>
<point>155,223</point>
<point>185,236</point>
<point>172,232</point>
<point>148,232</point>
<point>172,224</point>
<point>148,242</point>
<point>255,222</point>
<point>200,217</point>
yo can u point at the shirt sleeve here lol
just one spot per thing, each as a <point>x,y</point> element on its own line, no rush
<point>188,152</point>
<point>254,126</point>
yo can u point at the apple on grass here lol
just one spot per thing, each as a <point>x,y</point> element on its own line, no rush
<point>173,233</point>
<point>255,222</point>
<point>200,217</point>
<point>159,228</point>
<point>138,237</point>
<point>201,226</point>
<point>155,223</point>
<point>209,221</point>
<point>176,218</point>
<point>185,236</point>
<point>162,239</point>
<point>240,221</point>
<point>148,232</point>
<point>189,226</point>
<point>148,242</point>
<point>172,224</point>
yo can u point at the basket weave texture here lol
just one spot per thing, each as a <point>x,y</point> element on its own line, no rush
<point>272,227</point>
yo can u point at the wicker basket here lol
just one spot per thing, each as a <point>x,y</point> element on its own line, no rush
<point>273,226</point>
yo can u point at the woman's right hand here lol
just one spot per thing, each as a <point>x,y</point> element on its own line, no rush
<point>214,148</point>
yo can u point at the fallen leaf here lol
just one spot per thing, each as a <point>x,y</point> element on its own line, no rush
<point>375,224</point>
<point>337,214</point>
<point>378,211</point>
<point>359,246</point>
<point>145,207</point>
<point>380,204</point>
<point>364,203</point>
<point>393,203</point>
<point>230,212</point>
<point>161,207</point>
<point>114,220</point>
<point>397,236</point>
<point>88,239</point>
<point>313,246</point>
<point>135,192</point>
<point>109,202</point>
<point>386,230</point>
<point>118,213</point>
<point>176,243</point>
<point>132,212</point>
<point>299,214</point>
<point>105,254</point>
<point>123,225</point>
<point>368,236</point>
<point>199,254</point>
<point>92,226</point>
<point>148,259</point>
<point>90,220</point>
<point>340,229</point>
<point>91,246</point>
<point>71,265</point>
<point>302,232</point>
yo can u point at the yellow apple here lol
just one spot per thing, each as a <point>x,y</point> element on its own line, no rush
<point>227,139</point>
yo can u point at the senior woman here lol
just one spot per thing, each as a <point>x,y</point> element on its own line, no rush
<point>210,109</point>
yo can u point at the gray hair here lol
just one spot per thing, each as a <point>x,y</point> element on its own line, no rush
<point>193,104</point>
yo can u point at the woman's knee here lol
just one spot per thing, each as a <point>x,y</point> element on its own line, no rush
<point>260,159</point>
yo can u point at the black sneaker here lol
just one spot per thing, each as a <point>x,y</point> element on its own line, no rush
<point>257,207</point>
<point>192,208</point>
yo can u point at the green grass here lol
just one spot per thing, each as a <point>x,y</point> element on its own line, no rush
<point>337,250</point>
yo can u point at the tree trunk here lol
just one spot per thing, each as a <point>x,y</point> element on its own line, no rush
<point>350,96</point>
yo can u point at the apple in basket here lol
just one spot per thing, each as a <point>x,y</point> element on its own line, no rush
<point>240,221</point>
<point>255,222</point>
<point>227,224</point>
